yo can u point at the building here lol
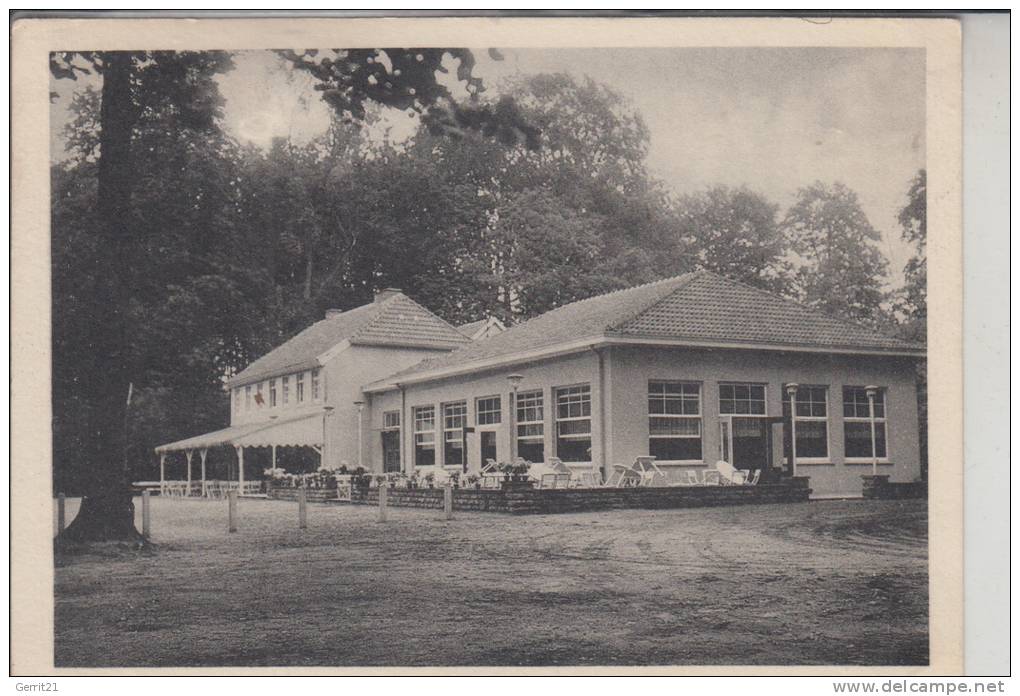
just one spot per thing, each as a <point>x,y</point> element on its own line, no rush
<point>483,328</point>
<point>691,370</point>
<point>307,392</point>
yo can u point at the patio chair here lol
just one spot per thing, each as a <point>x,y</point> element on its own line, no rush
<point>650,473</point>
<point>622,477</point>
<point>730,475</point>
<point>711,477</point>
<point>686,477</point>
<point>587,478</point>
<point>752,480</point>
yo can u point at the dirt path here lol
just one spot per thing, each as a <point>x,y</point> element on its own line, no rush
<point>815,583</point>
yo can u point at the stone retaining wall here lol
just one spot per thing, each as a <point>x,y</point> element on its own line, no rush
<point>553,501</point>
<point>880,488</point>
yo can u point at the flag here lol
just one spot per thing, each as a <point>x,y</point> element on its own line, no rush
<point>258,398</point>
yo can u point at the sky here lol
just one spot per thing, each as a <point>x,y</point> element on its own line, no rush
<point>774,119</point>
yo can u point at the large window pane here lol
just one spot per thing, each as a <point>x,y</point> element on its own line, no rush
<point>573,423</point>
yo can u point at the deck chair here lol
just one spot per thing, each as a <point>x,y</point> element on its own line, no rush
<point>650,473</point>
<point>729,475</point>
<point>586,478</point>
<point>752,480</point>
<point>622,477</point>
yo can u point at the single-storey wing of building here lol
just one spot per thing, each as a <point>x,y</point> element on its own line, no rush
<point>690,369</point>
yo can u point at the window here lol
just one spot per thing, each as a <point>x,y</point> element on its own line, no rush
<point>812,424</point>
<point>272,393</point>
<point>742,399</point>
<point>300,393</point>
<point>674,421</point>
<point>424,435</point>
<point>454,420</point>
<point>487,410</point>
<point>857,424</point>
<point>315,384</point>
<point>237,399</point>
<point>247,398</point>
<point>285,391</point>
<point>531,426</point>
<point>391,420</point>
<point>573,423</point>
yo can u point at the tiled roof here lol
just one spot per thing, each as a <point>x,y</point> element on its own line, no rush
<point>714,308</point>
<point>395,321</point>
<point>701,307</point>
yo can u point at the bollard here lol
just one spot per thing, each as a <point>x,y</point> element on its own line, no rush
<point>232,510</point>
<point>145,514</point>
<point>448,501</point>
<point>61,519</point>
<point>383,492</point>
<point>302,508</point>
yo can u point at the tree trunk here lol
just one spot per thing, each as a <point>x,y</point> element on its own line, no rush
<point>107,510</point>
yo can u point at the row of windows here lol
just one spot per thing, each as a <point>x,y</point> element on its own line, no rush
<point>674,422</point>
<point>277,392</point>
<point>573,425</point>
<point>674,419</point>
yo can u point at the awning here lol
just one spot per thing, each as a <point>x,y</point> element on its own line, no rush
<point>303,431</point>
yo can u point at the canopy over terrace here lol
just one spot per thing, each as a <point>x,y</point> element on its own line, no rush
<point>302,431</point>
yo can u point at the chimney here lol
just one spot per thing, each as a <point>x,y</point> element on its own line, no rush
<point>386,294</point>
<point>330,313</point>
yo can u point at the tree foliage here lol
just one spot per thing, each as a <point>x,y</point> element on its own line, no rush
<point>840,269</point>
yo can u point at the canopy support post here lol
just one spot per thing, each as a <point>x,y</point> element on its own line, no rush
<point>274,456</point>
<point>162,473</point>
<point>202,454</point>
<point>240,467</point>
<point>187,490</point>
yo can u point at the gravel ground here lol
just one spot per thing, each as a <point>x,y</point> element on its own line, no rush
<point>827,582</point>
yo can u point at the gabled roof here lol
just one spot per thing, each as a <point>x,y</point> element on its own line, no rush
<point>396,321</point>
<point>694,309</point>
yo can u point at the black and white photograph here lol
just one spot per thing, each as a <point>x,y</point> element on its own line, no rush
<point>481,355</point>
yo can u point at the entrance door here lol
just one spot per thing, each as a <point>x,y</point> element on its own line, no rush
<point>391,450</point>
<point>487,438</point>
<point>744,442</point>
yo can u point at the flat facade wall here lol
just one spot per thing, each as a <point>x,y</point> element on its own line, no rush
<point>620,426</point>
<point>575,369</point>
<point>633,367</point>
<point>345,374</point>
<point>555,501</point>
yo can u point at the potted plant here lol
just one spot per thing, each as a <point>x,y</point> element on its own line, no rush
<point>455,479</point>
<point>474,480</point>
<point>430,479</point>
<point>413,480</point>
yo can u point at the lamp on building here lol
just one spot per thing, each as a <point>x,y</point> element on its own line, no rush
<point>514,380</point>
<point>791,391</point>
<point>872,391</point>
<point>361,409</point>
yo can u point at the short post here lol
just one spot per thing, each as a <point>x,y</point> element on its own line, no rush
<point>383,492</point>
<point>146,519</point>
<point>448,501</point>
<point>61,517</point>
<point>302,508</point>
<point>232,510</point>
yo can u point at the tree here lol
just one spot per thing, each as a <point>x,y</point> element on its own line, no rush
<point>136,86</point>
<point>913,219</point>
<point>913,300</point>
<point>840,270</point>
<point>734,232</point>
